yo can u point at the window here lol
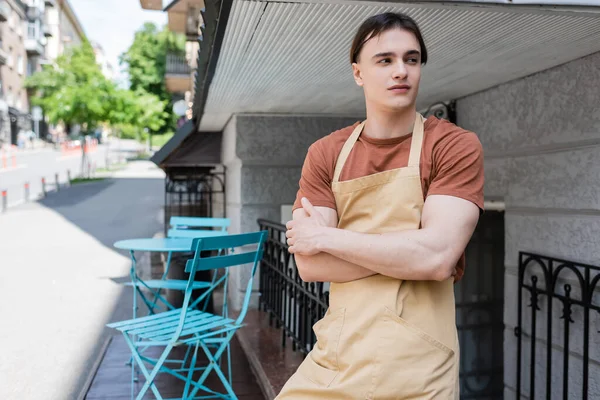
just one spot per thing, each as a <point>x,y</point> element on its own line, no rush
<point>20,65</point>
<point>10,98</point>
<point>31,67</point>
<point>32,30</point>
<point>9,60</point>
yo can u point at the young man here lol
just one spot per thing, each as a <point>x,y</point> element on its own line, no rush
<point>384,212</point>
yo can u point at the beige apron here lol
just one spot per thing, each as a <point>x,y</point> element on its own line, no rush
<point>382,338</point>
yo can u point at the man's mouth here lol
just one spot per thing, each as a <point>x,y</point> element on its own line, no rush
<point>403,88</point>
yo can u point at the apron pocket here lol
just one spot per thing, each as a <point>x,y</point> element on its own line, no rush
<point>410,363</point>
<point>321,364</point>
<point>316,373</point>
<point>417,331</point>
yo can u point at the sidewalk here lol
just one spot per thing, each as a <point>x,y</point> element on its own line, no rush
<point>62,280</point>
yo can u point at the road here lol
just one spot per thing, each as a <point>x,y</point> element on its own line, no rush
<point>33,165</point>
<point>62,279</point>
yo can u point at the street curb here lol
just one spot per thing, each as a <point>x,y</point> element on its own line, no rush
<point>94,369</point>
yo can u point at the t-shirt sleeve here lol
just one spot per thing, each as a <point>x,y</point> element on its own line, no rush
<point>458,168</point>
<point>315,181</point>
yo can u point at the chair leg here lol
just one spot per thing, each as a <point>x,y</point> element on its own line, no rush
<point>190,372</point>
<point>149,384</point>
<point>229,363</point>
<point>214,365</point>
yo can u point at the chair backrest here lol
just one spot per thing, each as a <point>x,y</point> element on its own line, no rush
<point>243,257</point>
<point>186,227</point>
<point>193,233</point>
<point>199,222</point>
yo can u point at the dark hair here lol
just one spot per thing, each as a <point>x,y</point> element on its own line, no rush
<point>380,23</point>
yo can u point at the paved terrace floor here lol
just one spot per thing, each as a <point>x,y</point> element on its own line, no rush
<point>113,379</point>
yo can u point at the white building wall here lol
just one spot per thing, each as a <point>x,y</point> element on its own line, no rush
<point>541,137</point>
<point>264,155</point>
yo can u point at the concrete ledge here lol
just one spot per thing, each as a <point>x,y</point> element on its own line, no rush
<point>271,363</point>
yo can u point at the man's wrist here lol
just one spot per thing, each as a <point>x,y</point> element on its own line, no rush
<point>327,239</point>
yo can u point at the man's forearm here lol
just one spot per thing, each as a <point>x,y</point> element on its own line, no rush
<point>324,267</point>
<point>409,255</point>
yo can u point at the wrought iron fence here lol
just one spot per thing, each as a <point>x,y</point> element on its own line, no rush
<point>292,304</point>
<point>193,192</point>
<point>559,315</point>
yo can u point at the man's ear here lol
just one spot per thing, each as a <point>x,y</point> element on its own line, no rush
<point>356,74</point>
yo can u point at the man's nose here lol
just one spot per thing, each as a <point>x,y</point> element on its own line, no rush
<point>400,70</point>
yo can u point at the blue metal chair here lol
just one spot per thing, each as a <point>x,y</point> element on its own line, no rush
<point>186,227</point>
<point>189,326</point>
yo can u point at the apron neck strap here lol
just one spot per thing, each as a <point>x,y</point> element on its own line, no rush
<point>346,151</point>
<point>415,146</point>
<point>416,142</point>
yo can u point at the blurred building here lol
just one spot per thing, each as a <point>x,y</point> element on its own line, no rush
<point>65,29</point>
<point>102,61</point>
<point>32,33</point>
<point>21,44</point>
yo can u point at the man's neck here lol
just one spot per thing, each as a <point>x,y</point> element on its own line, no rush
<point>388,125</point>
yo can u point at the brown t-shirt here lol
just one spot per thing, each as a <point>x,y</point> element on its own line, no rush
<point>451,164</point>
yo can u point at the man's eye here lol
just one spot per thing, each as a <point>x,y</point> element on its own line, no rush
<point>384,61</point>
<point>413,60</point>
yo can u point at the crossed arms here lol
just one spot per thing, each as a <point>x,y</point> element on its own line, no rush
<point>325,253</point>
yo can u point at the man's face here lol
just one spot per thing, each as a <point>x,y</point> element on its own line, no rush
<point>389,69</point>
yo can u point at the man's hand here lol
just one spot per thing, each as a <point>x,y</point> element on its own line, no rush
<point>303,234</point>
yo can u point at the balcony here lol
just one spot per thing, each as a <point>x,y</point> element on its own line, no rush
<point>4,11</point>
<point>34,13</point>
<point>178,74</point>
<point>34,47</point>
<point>151,4</point>
<point>186,17</point>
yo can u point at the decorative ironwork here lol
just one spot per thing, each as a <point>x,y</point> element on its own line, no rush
<point>292,304</point>
<point>552,282</point>
<point>193,192</point>
<point>442,110</point>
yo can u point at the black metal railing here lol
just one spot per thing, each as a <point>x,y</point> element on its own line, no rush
<point>292,304</point>
<point>551,282</point>
<point>177,64</point>
<point>193,192</point>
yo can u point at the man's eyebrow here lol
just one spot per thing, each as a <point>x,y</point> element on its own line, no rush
<point>412,52</point>
<point>384,54</point>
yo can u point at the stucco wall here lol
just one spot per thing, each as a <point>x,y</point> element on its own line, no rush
<point>264,155</point>
<point>541,137</point>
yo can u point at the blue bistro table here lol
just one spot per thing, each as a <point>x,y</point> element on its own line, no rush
<point>160,245</point>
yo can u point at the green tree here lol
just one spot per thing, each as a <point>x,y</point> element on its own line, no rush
<point>74,91</point>
<point>130,113</point>
<point>146,63</point>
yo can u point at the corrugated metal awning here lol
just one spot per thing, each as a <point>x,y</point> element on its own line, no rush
<point>292,57</point>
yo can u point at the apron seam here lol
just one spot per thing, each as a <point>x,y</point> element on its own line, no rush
<point>372,185</point>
